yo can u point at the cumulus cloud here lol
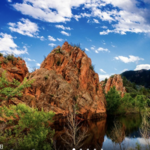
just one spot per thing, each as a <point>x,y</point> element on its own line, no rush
<point>28,59</point>
<point>24,27</point>
<point>142,66</point>
<point>124,70</point>
<point>60,40</point>
<point>103,77</point>
<point>87,49</point>
<point>50,11</point>
<point>41,38</point>
<point>101,70</point>
<point>95,21</point>
<point>62,27</point>
<point>51,38</point>
<point>103,49</point>
<point>38,64</point>
<point>52,44</point>
<point>129,59</point>
<point>8,46</point>
<point>65,33</point>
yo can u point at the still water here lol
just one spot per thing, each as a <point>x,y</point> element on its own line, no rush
<point>113,133</point>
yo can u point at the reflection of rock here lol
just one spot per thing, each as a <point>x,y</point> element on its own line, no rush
<point>96,132</point>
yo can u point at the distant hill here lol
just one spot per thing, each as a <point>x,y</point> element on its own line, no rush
<point>140,77</point>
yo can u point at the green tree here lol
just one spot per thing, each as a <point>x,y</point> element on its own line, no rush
<point>113,99</point>
<point>32,130</point>
<point>10,89</point>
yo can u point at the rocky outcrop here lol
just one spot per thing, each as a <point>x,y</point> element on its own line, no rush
<point>116,81</point>
<point>15,67</point>
<point>66,76</point>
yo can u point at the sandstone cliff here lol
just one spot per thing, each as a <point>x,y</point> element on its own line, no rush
<point>116,81</point>
<point>66,76</point>
<point>15,67</point>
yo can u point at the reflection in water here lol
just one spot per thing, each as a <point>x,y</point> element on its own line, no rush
<point>95,138</point>
<point>115,133</point>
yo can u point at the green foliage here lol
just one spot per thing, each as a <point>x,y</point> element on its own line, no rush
<point>113,100</point>
<point>10,89</point>
<point>46,77</point>
<point>10,57</point>
<point>92,67</point>
<point>105,81</point>
<point>57,51</point>
<point>58,62</point>
<point>31,131</point>
<point>5,61</point>
<point>1,54</point>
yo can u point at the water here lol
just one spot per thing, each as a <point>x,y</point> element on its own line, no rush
<point>113,133</point>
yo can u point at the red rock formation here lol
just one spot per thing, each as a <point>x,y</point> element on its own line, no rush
<point>116,81</point>
<point>15,67</point>
<point>66,76</point>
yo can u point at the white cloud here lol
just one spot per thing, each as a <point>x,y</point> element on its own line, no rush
<point>124,70</point>
<point>48,10</point>
<point>124,15</point>
<point>95,20</point>
<point>103,77</point>
<point>103,49</point>
<point>9,0</point>
<point>77,17</point>
<point>93,47</point>
<point>142,66</point>
<point>62,27</point>
<point>60,40</point>
<point>38,64</point>
<point>24,27</point>
<point>101,70</point>
<point>129,59</point>
<point>51,38</point>
<point>8,46</point>
<point>52,44</point>
<point>28,59</point>
<point>41,38</point>
<point>87,49</point>
<point>65,33</point>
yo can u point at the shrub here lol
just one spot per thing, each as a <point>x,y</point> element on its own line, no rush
<point>10,57</point>
<point>113,99</point>
<point>58,51</point>
<point>32,131</point>
<point>10,89</point>
<point>58,62</point>
<point>1,54</point>
<point>46,77</point>
<point>5,61</point>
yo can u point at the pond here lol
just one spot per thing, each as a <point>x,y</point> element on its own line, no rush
<point>113,133</point>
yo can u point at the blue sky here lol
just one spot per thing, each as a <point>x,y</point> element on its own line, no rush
<point>114,33</point>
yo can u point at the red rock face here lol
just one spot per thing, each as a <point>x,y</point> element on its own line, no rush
<point>116,81</point>
<point>65,77</point>
<point>16,68</point>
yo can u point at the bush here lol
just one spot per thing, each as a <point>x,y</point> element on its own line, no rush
<point>10,57</point>
<point>32,131</point>
<point>10,89</point>
<point>113,100</point>
<point>5,61</point>
<point>58,62</point>
<point>1,54</point>
<point>46,77</point>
